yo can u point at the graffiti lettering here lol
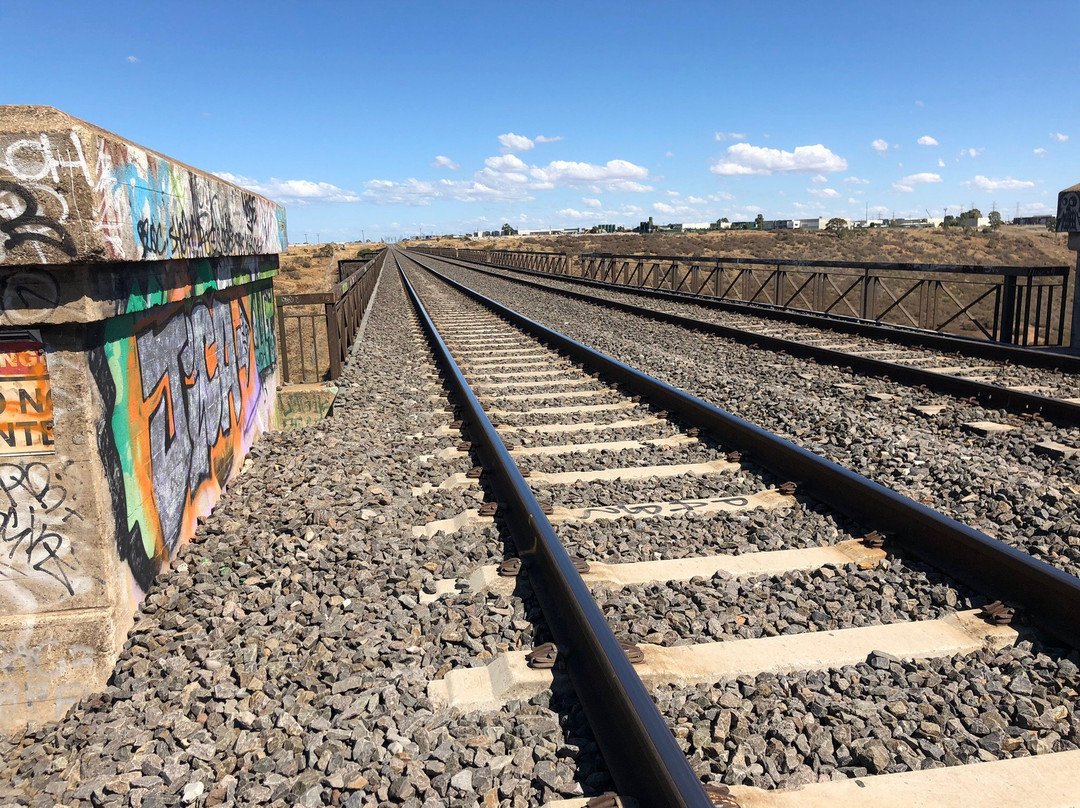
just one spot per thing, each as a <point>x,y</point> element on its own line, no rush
<point>34,506</point>
<point>21,221</point>
<point>1068,216</point>
<point>193,368</point>
<point>187,398</point>
<point>653,509</point>
<point>152,237</point>
<point>25,292</point>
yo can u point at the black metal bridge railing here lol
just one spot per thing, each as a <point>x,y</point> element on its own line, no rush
<point>1009,304</point>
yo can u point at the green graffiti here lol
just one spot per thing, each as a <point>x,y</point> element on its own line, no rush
<point>262,325</point>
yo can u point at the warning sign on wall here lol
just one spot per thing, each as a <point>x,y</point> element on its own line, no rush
<point>26,422</point>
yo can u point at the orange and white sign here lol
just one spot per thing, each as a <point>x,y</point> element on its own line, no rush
<point>26,409</point>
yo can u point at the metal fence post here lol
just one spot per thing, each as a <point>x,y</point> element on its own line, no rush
<point>283,344</point>
<point>1008,310</point>
<point>1074,335</point>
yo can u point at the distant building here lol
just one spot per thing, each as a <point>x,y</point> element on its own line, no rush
<point>925,222</point>
<point>696,226</point>
<point>1042,220</point>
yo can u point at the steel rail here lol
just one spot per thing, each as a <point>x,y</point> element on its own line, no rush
<point>992,395</point>
<point>637,745</point>
<point>1050,596</point>
<point>967,346</point>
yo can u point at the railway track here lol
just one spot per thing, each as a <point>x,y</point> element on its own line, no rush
<point>1019,380</point>
<point>765,618</point>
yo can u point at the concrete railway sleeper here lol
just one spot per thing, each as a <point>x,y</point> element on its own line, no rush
<point>636,568</point>
<point>956,367</point>
<point>1014,477</point>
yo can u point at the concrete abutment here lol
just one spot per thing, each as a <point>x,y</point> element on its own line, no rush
<point>138,364</point>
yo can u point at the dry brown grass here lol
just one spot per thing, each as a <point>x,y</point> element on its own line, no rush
<point>1013,246</point>
<point>309,268</point>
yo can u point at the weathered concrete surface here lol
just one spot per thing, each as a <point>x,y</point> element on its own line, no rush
<point>138,364</point>
<point>300,405</point>
<point>1049,781</point>
<point>74,193</point>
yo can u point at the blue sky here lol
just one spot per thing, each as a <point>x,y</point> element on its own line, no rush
<point>400,117</point>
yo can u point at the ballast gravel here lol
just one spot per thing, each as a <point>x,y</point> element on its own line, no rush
<point>999,484</point>
<point>285,658</point>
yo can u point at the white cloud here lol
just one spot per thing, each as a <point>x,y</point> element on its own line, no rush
<point>981,183</point>
<point>1036,208</point>
<point>1039,152</point>
<point>824,193</point>
<point>542,139</point>
<point>919,104</point>
<point>972,152</point>
<point>571,213</point>
<point>856,181</point>
<point>508,178</point>
<point>695,200</point>
<point>416,192</point>
<point>926,140</point>
<point>730,136</point>
<point>907,183</point>
<point>135,59</point>
<point>880,146</point>
<point>672,193</point>
<point>819,178</point>
<point>1059,137</point>
<point>506,163</point>
<point>669,154</point>
<point>940,163</point>
<point>296,192</point>
<point>511,142</point>
<point>442,161</point>
<point>614,175</point>
<point>620,186</point>
<point>742,158</point>
<point>494,178</point>
<point>661,207</point>
<point>721,196</point>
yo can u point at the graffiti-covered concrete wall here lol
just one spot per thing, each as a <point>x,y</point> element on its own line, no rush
<point>187,388</point>
<point>76,193</point>
<point>137,367</point>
